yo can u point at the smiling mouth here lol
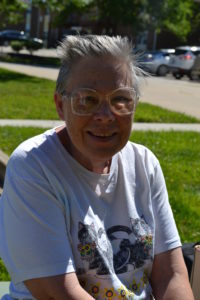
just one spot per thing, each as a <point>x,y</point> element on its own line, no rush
<point>102,135</point>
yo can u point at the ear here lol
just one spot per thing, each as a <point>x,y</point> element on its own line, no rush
<point>59,105</point>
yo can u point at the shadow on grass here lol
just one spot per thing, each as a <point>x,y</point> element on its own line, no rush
<point>28,59</point>
<point>7,75</point>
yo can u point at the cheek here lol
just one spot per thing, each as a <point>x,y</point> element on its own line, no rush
<point>126,125</point>
<point>75,126</point>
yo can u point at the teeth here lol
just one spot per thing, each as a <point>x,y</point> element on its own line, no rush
<point>103,134</point>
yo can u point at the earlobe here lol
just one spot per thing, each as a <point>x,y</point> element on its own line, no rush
<point>59,105</point>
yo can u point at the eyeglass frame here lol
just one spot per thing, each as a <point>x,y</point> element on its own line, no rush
<point>64,96</point>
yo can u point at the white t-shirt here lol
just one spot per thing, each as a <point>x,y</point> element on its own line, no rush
<point>57,217</point>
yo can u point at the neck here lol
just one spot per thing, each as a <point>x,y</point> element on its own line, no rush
<point>102,168</point>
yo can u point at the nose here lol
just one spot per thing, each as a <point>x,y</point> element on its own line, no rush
<point>104,113</point>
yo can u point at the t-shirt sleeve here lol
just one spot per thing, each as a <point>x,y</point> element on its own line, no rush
<point>166,234</point>
<point>36,238</point>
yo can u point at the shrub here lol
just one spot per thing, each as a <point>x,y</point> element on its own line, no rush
<point>33,45</point>
<point>17,45</point>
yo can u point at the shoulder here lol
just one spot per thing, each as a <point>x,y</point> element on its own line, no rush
<point>139,154</point>
<point>26,154</point>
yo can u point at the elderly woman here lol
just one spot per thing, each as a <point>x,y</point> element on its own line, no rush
<point>85,212</point>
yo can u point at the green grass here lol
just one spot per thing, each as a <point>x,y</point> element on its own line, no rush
<point>4,276</point>
<point>154,114</point>
<point>179,155</point>
<point>26,97</point>
<point>11,137</point>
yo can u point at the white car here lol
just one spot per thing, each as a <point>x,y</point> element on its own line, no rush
<point>156,62</point>
<point>182,61</point>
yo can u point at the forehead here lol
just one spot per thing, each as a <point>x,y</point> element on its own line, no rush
<point>100,74</point>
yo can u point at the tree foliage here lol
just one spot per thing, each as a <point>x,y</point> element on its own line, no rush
<point>115,13</point>
<point>195,23</point>
<point>175,16</point>
<point>172,15</point>
<point>11,12</point>
<point>63,10</point>
<point>178,17</point>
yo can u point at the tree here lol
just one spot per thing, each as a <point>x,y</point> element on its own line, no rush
<point>175,16</point>
<point>63,9</point>
<point>172,15</point>
<point>194,35</point>
<point>178,17</point>
<point>108,14</point>
<point>152,15</point>
<point>11,12</point>
<point>115,13</point>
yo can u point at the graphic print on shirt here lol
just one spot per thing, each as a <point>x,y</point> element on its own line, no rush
<point>95,249</point>
<point>102,290</point>
<point>116,250</point>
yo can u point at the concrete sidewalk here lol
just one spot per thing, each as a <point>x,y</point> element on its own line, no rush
<point>41,72</point>
<point>4,288</point>
<point>136,126</point>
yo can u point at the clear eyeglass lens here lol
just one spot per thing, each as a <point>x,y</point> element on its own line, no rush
<point>122,101</point>
<point>86,102</point>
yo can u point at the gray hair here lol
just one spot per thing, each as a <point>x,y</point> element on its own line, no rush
<point>74,48</point>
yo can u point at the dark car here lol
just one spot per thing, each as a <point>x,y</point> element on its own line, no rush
<point>6,36</point>
<point>71,31</point>
<point>11,35</point>
<point>156,62</point>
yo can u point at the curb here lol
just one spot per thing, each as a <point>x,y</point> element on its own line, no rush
<point>166,127</point>
<point>135,126</point>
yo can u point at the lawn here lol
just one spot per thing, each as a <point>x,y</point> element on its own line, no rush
<point>26,97</point>
<point>11,137</point>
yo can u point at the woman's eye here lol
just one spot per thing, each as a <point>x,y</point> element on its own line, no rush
<point>89,100</point>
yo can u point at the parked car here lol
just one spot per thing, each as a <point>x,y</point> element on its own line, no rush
<point>181,62</point>
<point>11,35</point>
<point>195,70</point>
<point>156,62</point>
<point>6,36</point>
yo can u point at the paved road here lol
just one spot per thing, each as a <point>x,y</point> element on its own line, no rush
<point>178,95</point>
